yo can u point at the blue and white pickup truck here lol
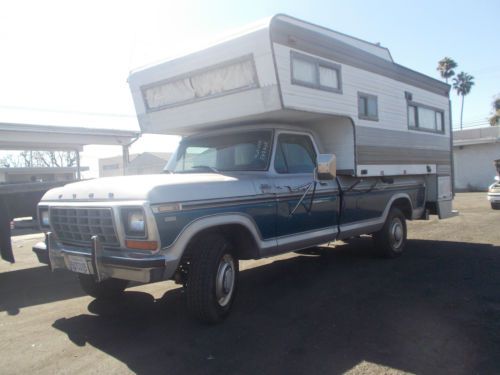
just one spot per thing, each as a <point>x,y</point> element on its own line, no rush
<point>293,136</point>
<point>225,196</point>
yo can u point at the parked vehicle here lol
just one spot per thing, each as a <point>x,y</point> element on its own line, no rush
<point>494,194</point>
<point>293,135</point>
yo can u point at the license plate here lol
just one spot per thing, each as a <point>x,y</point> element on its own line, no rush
<point>78,264</point>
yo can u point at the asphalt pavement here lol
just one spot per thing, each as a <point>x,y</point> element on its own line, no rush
<point>435,310</point>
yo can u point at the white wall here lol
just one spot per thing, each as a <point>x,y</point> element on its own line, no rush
<point>392,105</point>
<point>474,168</point>
<point>185,118</point>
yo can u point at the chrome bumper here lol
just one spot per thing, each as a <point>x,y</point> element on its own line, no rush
<point>494,197</point>
<point>144,268</point>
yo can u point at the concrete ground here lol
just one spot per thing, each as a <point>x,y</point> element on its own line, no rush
<point>435,310</point>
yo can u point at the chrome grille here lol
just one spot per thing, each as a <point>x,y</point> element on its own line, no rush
<point>76,226</point>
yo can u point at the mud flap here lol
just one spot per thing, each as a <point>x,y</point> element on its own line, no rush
<point>444,209</point>
<point>5,242</point>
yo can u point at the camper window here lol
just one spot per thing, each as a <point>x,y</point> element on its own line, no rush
<point>315,73</point>
<point>367,107</point>
<point>229,77</point>
<point>425,118</point>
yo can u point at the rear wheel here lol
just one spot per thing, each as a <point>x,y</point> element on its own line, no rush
<point>106,289</point>
<point>390,241</point>
<point>495,206</point>
<point>212,279</point>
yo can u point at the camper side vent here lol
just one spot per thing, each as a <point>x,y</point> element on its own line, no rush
<point>231,76</point>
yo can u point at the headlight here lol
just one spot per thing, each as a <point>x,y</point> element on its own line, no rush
<point>135,222</point>
<point>43,217</point>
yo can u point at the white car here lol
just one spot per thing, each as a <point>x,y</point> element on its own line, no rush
<point>494,194</point>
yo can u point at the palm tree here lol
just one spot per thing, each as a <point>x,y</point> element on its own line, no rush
<point>495,119</point>
<point>445,68</point>
<point>463,83</point>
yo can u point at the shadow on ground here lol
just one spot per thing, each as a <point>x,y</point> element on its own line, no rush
<point>35,286</point>
<point>434,310</point>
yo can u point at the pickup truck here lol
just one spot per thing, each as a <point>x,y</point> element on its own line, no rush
<point>241,192</point>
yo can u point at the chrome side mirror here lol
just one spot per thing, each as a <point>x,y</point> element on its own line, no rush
<point>327,166</point>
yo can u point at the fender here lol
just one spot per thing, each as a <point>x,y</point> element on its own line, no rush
<point>177,248</point>
<point>371,225</point>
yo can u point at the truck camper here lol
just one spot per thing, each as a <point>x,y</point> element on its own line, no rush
<point>293,135</point>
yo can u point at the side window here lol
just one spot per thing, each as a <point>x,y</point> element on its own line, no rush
<point>367,107</point>
<point>294,154</point>
<point>315,73</point>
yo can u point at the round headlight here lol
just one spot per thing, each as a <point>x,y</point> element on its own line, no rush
<point>135,222</point>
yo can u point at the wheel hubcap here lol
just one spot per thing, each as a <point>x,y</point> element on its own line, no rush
<point>396,234</point>
<point>224,283</point>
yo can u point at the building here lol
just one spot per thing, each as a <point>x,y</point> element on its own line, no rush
<point>145,163</point>
<point>39,174</point>
<point>474,153</point>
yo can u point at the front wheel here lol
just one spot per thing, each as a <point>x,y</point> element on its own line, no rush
<point>495,206</point>
<point>390,241</point>
<point>212,279</point>
<point>106,289</point>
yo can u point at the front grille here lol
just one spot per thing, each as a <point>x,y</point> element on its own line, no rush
<point>76,226</point>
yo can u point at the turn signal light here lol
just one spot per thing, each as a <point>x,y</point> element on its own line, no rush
<point>141,245</point>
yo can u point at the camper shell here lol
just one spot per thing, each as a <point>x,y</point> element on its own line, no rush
<point>285,70</point>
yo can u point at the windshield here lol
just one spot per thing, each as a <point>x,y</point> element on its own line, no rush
<point>244,151</point>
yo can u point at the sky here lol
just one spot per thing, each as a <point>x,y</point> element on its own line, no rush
<point>67,62</point>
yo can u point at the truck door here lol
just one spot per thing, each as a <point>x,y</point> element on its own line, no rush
<point>302,205</point>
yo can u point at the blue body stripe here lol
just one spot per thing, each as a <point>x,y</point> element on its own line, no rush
<point>273,219</point>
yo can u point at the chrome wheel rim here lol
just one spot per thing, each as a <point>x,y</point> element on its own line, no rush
<point>396,234</point>
<point>225,279</point>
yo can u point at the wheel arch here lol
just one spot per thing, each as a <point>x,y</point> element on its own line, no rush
<point>405,205</point>
<point>239,229</point>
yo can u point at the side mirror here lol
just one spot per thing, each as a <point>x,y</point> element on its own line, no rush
<point>327,166</point>
<point>497,178</point>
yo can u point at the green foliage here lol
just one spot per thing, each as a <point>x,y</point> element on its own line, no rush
<point>463,83</point>
<point>445,67</point>
<point>495,119</point>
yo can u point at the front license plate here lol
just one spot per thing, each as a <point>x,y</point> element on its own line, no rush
<point>78,264</point>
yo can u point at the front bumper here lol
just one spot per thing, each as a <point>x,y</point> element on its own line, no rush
<point>494,197</point>
<point>121,265</point>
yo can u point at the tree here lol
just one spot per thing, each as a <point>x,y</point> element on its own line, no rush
<point>495,119</point>
<point>463,83</point>
<point>445,67</point>
<point>39,159</point>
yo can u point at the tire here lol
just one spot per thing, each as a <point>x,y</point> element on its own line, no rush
<point>212,279</point>
<point>495,206</point>
<point>390,241</point>
<point>106,289</point>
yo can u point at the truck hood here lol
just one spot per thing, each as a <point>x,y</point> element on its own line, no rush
<point>157,188</point>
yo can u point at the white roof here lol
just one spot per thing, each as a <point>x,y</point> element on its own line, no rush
<point>16,136</point>
<point>373,48</point>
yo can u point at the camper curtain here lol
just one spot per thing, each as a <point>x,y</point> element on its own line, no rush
<point>211,82</point>
<point>170,93</point>
<point>223,79</point>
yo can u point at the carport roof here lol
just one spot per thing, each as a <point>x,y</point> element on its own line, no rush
<point>18,136</point>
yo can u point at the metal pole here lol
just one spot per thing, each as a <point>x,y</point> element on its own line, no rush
<point>78,172</point>
<point>125,154</point>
